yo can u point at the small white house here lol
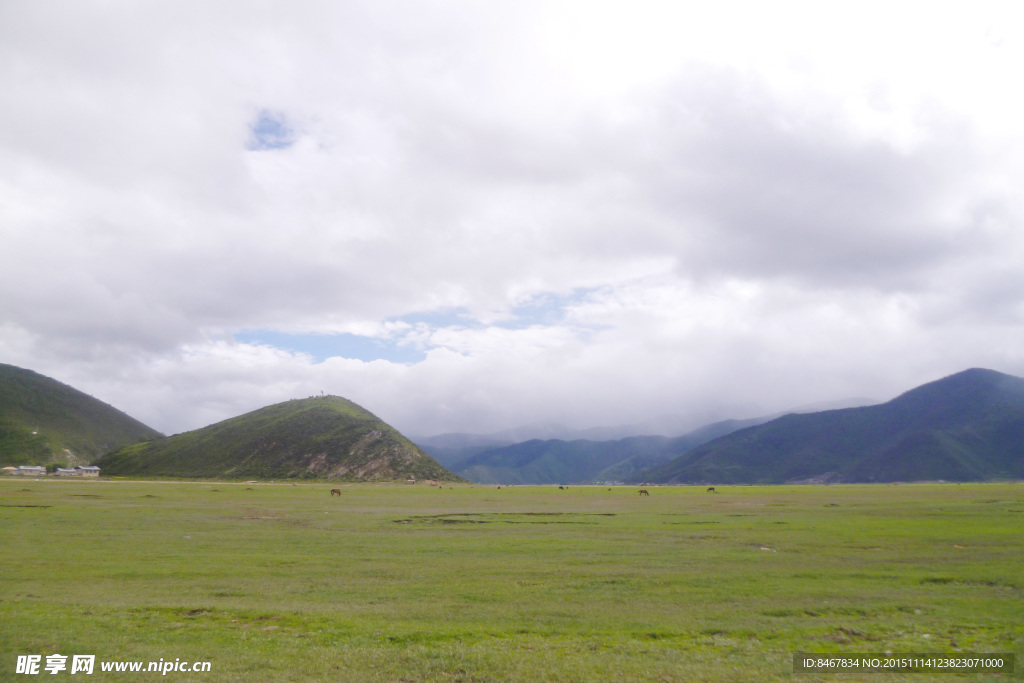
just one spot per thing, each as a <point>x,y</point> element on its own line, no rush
<point>31,470</point>
<point>90,471</point>
<point>65,472</point>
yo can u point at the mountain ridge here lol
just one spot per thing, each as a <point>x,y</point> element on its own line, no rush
<point>579,461</point>
<point>968,426</point>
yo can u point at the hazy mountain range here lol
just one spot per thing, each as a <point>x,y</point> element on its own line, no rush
<point>558,461</point>
<point>451,447</point>
<point>581,456</point>
<point>969,426</point>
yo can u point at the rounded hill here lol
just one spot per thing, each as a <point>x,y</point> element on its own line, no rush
<point>324,437</point>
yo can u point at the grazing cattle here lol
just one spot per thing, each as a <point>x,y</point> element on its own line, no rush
<point>561,488</point>
<point>335,491</point>
<point>711,489</point>
<point>643,492</point>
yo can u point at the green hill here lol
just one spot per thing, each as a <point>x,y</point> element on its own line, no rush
<point>325,437</point>
<point>43,421</point>
<point>966,427</point>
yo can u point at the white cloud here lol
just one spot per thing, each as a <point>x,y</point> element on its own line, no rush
<point>581,212</point>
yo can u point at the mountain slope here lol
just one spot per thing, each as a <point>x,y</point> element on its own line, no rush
<point>966,427</point>
<point>44,421</point>
<point>452,449</point>
<point>325,437</point>
<point>646,459</point>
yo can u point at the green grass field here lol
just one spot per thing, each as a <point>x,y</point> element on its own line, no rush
<point>283,582</point>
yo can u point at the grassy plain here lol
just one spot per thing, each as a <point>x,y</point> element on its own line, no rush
<point>283,582</point>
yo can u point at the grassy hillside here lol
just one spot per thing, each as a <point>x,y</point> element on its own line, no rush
<point>44,421</point>
<point>319,438</point>
<point>966,427</point>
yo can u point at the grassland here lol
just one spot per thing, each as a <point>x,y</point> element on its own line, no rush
<point>282,582</point>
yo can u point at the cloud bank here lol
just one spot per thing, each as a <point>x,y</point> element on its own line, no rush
<point>473,216</point>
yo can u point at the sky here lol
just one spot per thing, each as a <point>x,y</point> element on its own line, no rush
<point>473,216</point>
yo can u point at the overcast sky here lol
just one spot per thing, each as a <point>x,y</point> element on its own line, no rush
<point>470,216</point>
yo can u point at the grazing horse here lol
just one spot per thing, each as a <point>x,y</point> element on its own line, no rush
<point>333,491</point>
<point>711,489</point>
<point>643,492</point>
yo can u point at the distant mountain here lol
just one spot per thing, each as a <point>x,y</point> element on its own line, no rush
<point>452,449</point>
<point>670,425</point>
<point>44,421</point>
<point>326,437</point>
<point>554,461</point>
<point>966,427</point>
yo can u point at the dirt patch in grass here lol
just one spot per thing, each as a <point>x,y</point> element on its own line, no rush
<point>945,580</point>
<point>506,518</point>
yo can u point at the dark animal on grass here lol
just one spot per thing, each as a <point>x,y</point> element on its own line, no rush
<point>711,489</point>
<point>561,488</point>
<point>643,492</point>
<point>335,491</point>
